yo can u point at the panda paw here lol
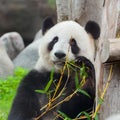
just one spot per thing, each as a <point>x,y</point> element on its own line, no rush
<point>83,60</point>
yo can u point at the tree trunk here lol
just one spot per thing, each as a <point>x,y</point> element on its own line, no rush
<point>63,7</point>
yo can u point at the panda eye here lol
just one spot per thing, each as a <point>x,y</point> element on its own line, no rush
<point>72,42</point>
<point>55,39</point>
<point>51,44</point>
<point>74,47</point>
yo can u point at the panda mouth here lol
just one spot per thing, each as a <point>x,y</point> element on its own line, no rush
<point>59,63</point>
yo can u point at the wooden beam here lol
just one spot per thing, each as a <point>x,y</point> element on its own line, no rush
<point>114,53</point>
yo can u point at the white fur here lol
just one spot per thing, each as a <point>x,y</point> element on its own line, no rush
<point>65,30</point>
<point>38,35</point>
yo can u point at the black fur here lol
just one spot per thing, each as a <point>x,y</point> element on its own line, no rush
<point>47,24</point>
<point>26,104</point>
<point>74,47</point>
<point>52,43</point>
<point>93,28</point>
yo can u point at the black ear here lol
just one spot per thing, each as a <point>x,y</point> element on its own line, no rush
<point>47,24</point>
<point>93,28</point>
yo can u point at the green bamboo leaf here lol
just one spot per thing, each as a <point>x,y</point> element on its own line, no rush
<point>96,117</point>
<point>83,71</point>
<point>83,92</point>
<point>40,91</point>
<point>87,115</point>
<point>76,81</point>
<point>64,115</point>
<point>50,81</point>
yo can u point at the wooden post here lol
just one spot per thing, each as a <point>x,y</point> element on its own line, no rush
<point>105,13</point>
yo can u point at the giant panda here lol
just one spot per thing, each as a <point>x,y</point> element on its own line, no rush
<point>65,40</point>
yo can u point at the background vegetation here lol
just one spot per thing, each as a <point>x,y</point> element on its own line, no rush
<point>8,89</point>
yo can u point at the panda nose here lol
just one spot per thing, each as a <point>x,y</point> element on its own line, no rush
<point>60,55</point>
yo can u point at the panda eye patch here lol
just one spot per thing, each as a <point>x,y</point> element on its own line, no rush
<point>74,47</point>
<point>72,42</point>
<point>52,43</point>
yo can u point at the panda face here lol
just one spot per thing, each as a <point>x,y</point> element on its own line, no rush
<point>66,40</point>
<point>61,50</point>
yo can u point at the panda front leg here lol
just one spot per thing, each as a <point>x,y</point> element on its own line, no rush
<point>26,104</point>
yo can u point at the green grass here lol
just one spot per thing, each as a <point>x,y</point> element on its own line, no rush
<point>8,89</point>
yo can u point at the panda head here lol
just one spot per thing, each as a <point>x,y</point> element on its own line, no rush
<point>66,40</point>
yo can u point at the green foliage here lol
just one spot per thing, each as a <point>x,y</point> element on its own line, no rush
<point>8,89</point>
<point>83,92</point>
<point>96,117</point>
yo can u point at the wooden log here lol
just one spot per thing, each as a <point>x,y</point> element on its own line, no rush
<point>114,50</point>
